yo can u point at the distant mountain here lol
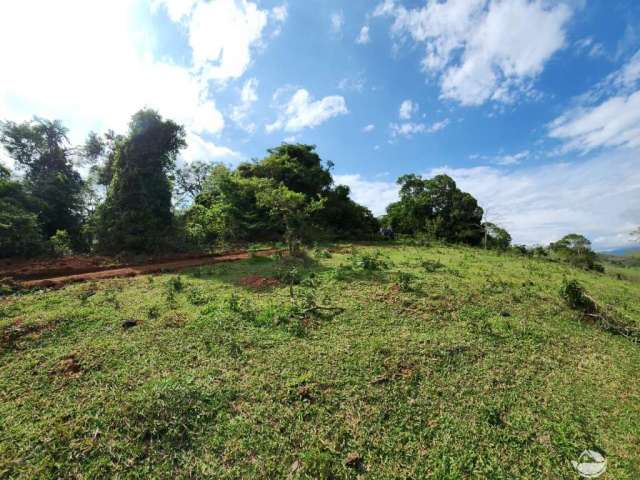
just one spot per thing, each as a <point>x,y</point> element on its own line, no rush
<point>622,251</point>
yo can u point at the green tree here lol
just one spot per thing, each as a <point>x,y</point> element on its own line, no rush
<point>296,166</point>
<point>291,208</point>
<point>137,212</point>
<point>576,249</point>
<point>190,179</point>
<point>41,148</point>
<point>435,207</point>
<point>20,231</point>
<point>495,236</point>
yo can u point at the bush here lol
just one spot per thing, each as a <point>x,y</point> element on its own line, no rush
<point>60,244</point>
<point>369,261</point>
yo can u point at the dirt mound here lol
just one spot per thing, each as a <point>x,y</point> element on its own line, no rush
<point>256,281</point>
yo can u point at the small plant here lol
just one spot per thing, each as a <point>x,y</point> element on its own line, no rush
<point>319,253</point>
<point>432,265</point>
<point>405,280</point>
<point>197,296</point>
<point>153,312</point>
<point>175,283</point>
<point>369,261</point>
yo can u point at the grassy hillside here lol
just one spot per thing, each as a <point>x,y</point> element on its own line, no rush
<point>447,362</point>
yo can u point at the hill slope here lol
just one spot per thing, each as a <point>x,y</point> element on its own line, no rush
<point>447,362</point>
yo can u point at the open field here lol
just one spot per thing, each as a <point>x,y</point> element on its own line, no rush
<point>443,362</point>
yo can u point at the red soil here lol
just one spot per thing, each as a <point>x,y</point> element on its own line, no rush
<point>256,281</point>
<point>59,272</point>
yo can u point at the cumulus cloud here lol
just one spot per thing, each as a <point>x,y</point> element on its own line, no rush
<point>407,109</point>
<point>200,149</point>
<point>301,111</point>
<point>606,116</point>
<point>482,50</point>
<point>369,128</point>
<point>363,36</point>
<point>241,111</point>
<point>541,204</point>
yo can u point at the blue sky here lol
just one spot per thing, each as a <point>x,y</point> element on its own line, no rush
<point>531,105</point>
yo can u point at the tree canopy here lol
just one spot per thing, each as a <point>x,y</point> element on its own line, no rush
<point>436,207</point>
<point>41,148</point>
<point>136,214</point>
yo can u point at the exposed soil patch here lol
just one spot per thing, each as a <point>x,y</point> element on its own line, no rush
<point>44,278</point>
<point>256,281</point>
<point>10,334</point>
<point>68,367</point>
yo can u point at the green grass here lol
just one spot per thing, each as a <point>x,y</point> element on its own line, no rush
<point>447,362</point>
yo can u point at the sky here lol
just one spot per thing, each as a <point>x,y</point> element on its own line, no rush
<point>533,106</point>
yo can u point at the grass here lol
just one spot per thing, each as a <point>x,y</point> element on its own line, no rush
<point>447,362</point>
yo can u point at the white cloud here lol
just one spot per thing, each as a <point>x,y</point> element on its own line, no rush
<point>613,123</point>
<point>482,50</point>
<point>589,47</point>
<point>513,159</point>
<point>279,15</point>
<point>363,36</point>
<point>374,194</point>
<point>176,9</point>
<point>337,22</point>
<point>301,111</point>
<point>369,128</point>
<point>606,116</point>
<point>240,112</point>
<point>541,204</point>
<point>407,109</point>
<point>222,34</point>
<point>200,149</point>
<point>353,84</point>
<point>107,76</point>
<point>409,129</point>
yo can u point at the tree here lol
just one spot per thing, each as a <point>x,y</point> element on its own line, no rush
<point>296,166</point>
<point>190,180</point>
<point>495,236</point>
<point>20,231</point>
<point>136,214</point>
<point>41,147</point>
<point>291,208</point>
<point>576,249</point>
<point>435,207</point>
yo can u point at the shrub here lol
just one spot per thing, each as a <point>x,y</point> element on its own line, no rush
<point>369,261</point>
<point>60,244</point>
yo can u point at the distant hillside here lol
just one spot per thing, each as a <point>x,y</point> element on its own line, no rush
<point>623,251</point>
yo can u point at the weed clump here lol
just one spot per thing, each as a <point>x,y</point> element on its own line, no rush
<point>369,261</point>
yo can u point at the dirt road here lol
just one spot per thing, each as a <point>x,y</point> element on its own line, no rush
<point>134,270</point>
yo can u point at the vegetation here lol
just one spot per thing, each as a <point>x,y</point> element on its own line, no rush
<point>436,207</point>
<point>429,362</point>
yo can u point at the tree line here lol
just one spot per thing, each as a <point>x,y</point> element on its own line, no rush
<point>136,199</point>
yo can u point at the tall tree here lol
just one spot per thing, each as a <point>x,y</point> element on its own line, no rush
<point>436,207</point>
<point>42,149</point>
<point>20,232</point>
<point>136,214</point>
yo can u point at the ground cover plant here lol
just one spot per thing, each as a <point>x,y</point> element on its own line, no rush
<point>428,362</point>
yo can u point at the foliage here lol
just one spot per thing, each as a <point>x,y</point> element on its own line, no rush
<point>20,230</point>
<point>232,205</point>
<point>42,149</point>
<point>369,261</point>
<point>60,244</point>
<point>576,250</point>
<point>190,180</point>
<point>289,208</point>
<point>435,207</point>
<point>136,214</point>
<point>496,237</point>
